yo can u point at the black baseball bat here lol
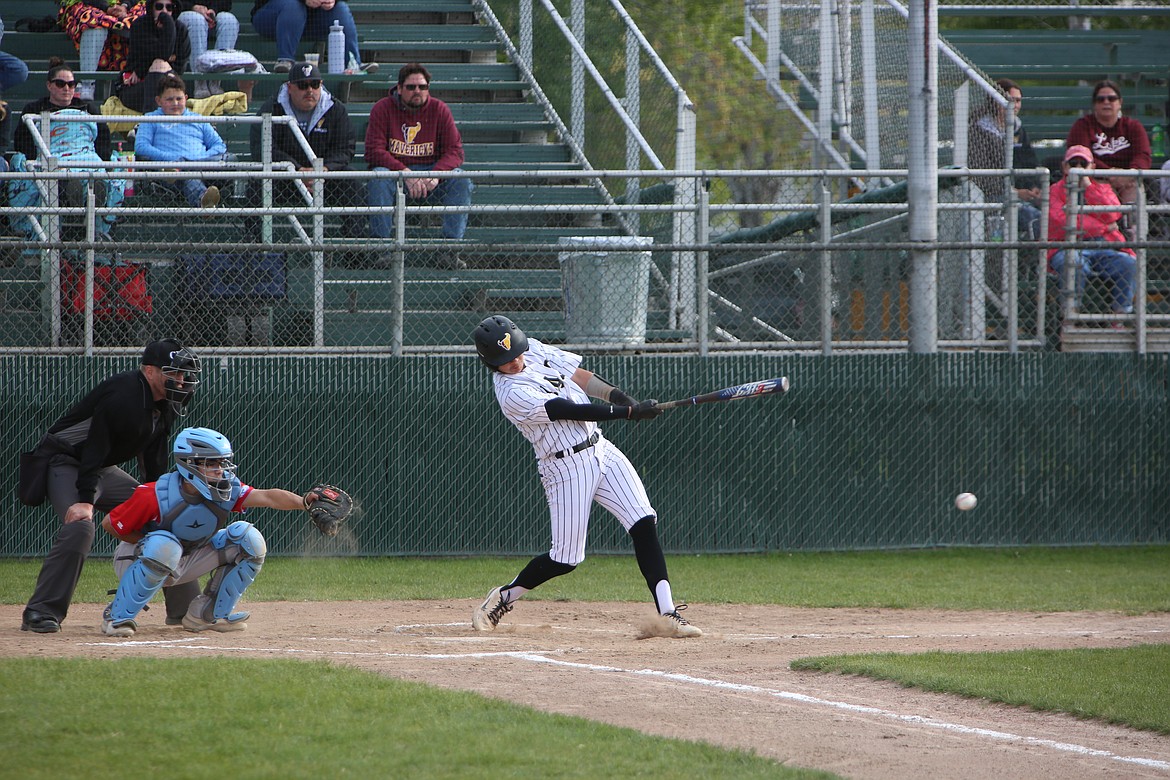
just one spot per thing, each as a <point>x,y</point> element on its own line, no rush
<point>749,390</point>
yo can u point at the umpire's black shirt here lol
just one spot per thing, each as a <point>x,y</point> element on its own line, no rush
<point>118,420</point>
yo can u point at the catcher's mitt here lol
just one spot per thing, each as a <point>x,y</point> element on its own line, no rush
<point>329,508</point>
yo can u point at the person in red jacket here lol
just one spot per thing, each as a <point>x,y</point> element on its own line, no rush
<point>1119,265</point>
<point>1117,141</point>
<point>411,131</point>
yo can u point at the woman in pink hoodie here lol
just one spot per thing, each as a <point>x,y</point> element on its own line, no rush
<point>1119,264</point>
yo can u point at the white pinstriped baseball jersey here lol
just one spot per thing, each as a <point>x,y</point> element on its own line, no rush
<point>600,473</point>
<point>547,374</point>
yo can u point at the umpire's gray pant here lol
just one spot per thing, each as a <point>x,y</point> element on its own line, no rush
<point>62,567</point>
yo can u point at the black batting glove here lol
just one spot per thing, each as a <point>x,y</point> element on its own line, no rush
<point>645,410</point>
<point>618,398</point>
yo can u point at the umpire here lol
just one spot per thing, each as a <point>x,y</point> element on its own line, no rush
<point>128,415</point>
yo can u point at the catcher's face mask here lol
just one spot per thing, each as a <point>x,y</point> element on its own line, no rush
<point>203,457</point>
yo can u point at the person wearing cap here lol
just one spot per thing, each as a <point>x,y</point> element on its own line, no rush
<point>1118,265</point>
<point>411,131</point>
<point>1116,140</point>
<point>127,416</point>
<point>324,121</point>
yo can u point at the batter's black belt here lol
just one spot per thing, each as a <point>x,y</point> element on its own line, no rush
<point>578,447</point>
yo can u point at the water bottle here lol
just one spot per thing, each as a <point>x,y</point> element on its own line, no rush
<point>122,156</point>
<point>1158,141</point>
<point>995,228</point>
<point>336,48</point>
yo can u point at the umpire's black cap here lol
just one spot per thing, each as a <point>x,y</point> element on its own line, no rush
<point>498,341</point>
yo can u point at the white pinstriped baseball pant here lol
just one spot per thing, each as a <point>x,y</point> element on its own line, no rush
<point>601,473</point>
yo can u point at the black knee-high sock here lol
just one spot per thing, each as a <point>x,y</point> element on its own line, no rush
<point>540,570</point>
<point>651,561</point>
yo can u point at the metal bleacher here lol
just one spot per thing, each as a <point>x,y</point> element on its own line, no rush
<point>503,129</point>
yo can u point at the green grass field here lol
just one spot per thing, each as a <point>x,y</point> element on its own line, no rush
<point>104,709</point>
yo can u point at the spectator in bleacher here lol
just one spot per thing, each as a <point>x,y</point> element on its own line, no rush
<point>1118,265</point>
<point>411,131</point>
<point>158,46</point>
<point>1117,141</point>
<point>291,21</point>
<point>71,142</point>
<point>61,86</point>
<point>324,121</point>
<point>199,18</point>
<point>180,141</point>
<point>13,72</point>
<point>88,23</point>
<point>987,135</point>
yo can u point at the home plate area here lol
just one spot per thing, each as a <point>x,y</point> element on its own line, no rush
<point>732,687</point>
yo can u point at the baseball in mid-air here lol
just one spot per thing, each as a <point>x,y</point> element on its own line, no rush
<point>965,501</point>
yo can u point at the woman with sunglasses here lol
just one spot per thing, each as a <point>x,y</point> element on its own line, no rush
<point>158,46</point>
<point>1117,141</point>
<point>92,139</point>
<point>88,23</point>
<point>70,142</point>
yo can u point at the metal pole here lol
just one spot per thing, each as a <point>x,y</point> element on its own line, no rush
<point>869,80</point>
<point>318,256</point>
<point>826,220</point>
<point>633,105</point>
<point>828,43</point>
<point>772,63</point>
<point>526,32</point>
<point>1140,286</point>
<point>703,304</point>
<point>90,236</point>
<point>397,272</point>
<point>577,74</point>
<point>923,175</point>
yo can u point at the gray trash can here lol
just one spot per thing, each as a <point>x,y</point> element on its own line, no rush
<point>606,283</point>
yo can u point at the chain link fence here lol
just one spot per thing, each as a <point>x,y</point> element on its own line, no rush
<point>819,273</point>
<point>863,452</point>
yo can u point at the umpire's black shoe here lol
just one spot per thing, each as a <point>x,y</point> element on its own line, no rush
<point>39,623</point>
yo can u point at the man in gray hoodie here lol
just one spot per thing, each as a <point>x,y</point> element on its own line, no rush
<point>325,123</point>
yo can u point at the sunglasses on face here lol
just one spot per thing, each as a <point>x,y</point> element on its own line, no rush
<point>163,7</point>
<point>63,84</point>
<point>307,84</point>
<point>418,87</point>
<point>1077,162</point>
<point>1107,98</point>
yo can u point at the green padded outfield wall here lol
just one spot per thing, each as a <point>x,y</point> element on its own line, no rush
<point>864,452</point>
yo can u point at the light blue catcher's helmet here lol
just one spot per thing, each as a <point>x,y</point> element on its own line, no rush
<point>199,449</point>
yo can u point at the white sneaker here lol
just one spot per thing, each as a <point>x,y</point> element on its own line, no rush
<point>121,628</point>
<point>487,615</point>
<point>682,629</point>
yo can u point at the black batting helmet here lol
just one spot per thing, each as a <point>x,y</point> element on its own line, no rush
<point>498,341</point>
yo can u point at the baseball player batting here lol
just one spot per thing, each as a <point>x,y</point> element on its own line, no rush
<point>545,393</point>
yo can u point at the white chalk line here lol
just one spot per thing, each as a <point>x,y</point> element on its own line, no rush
<point>543,656</point>
<point>803,698</point>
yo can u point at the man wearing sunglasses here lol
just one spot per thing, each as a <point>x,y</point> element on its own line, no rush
<point>1117,141</point>
<point>127,416</point>
<point>411,131</point>
<point>324,121</point>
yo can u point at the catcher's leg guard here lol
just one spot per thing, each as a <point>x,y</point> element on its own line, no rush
<point>243,545</point>
<point>157,560</point>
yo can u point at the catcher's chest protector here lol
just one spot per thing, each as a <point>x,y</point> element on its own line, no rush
<point>192,523</point>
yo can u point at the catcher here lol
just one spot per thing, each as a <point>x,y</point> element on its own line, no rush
<point>176,529</point>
